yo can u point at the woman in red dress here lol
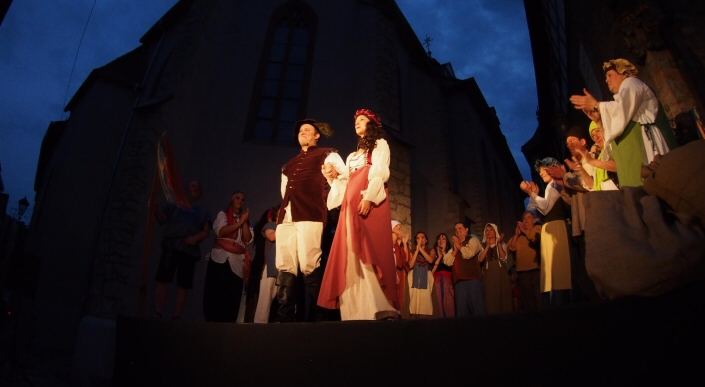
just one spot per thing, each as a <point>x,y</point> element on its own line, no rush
<point>360,276</point>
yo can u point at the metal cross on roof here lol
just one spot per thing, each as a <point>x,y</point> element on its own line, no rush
<point>427,42</point>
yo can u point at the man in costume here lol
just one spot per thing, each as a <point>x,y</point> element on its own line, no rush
<point>302,215</point>
<point>467,274</point>
<point>635,125</point>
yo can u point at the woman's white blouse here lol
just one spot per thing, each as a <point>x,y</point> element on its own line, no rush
<point>378,175</point>
<point>545,204</point>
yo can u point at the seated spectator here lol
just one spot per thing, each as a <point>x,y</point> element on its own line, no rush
<point>526,243</point>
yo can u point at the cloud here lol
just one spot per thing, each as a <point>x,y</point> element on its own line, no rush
<point>484,39</point>
<point>38,45</point>
<point>487,40</point>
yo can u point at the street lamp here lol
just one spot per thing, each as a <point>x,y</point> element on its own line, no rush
<point>22,207</point>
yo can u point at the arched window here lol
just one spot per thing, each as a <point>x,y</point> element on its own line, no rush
<point>280,94</point>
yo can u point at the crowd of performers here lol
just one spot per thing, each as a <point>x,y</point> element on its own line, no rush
<point>375,271</point>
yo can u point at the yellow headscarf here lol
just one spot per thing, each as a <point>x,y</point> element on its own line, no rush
<point>600,174</point>
<point>593,126</point>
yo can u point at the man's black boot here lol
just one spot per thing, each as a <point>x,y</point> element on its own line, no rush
<point>286,296</point>
<point>313,285</point>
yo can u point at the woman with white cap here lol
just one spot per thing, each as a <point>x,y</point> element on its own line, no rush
<point>496,265</point>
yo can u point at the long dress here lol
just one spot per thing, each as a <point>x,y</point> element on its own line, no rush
<point>498,287</point>
<point>445,293</point>
<point>401,277</point>
<point>421,288</point>
<point>360,276</point>
<point>555,246</point>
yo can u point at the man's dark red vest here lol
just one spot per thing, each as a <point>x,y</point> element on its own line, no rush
<point>307,188</point>
<point>466,269</point>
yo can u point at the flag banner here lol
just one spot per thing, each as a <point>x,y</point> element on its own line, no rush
<point>170,175</point>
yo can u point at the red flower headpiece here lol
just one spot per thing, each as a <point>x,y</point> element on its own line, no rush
<point>370,114</point>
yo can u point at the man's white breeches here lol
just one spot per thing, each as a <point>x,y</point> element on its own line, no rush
<point>299,246</point>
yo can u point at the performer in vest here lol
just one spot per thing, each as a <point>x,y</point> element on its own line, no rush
<point>635,125</point>
<point>467,273</point>
<point>302,215</point>
<point>556,281</point>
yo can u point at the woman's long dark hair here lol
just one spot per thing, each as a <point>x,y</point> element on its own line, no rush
<point>373,133</point>
<point>425,236</point>
<point>435,245</point>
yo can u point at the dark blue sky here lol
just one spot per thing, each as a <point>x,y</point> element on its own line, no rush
<point>486,39</point>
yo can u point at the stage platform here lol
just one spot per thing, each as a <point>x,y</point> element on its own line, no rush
<point>628,341</point>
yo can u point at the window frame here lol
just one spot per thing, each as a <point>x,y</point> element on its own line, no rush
<point>299,13</point>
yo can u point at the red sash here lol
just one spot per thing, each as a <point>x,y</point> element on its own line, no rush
<point>235,248</point>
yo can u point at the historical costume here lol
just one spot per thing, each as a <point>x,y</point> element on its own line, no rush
<point>496,265</point>
<point>443,279</point>
<point>421,281</point>
<point>526,246</point>
<point>267,285</point>
<point>228,267</point>
<point>555,246</point>
<point>302,216</point>
<point>636,127</point>
<point>467,273</point>
<point>360,277</point>
<point>401,259</point>
<point>603,180</point>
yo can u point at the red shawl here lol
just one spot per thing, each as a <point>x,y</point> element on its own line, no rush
<point>371,243</point>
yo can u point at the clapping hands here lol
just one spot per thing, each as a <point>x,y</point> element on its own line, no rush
<point>557,172</point>
<point>574,164</point>
<point>529,187</point>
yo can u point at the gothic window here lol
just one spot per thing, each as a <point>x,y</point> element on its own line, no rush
<point>281,89</point>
